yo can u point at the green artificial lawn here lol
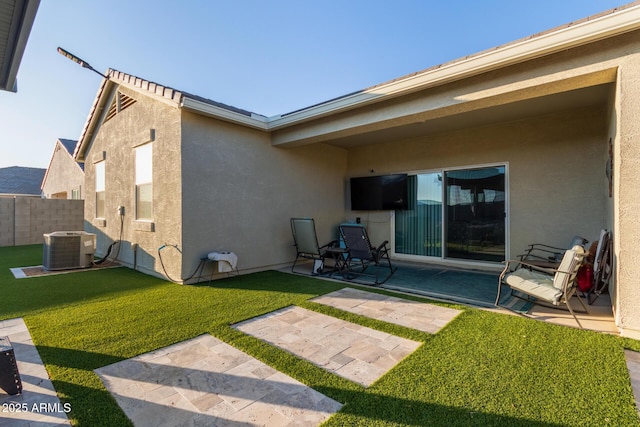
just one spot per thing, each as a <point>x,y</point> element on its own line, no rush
<point>482,369</point>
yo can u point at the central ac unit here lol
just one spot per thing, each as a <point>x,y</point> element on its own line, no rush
<point>68,249</point>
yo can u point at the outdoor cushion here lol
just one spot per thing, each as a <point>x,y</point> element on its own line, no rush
<point>536,284</point>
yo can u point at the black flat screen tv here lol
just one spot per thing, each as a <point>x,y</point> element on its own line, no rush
<point>379,193</point>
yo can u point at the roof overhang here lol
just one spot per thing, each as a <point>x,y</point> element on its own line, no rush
<point>595,28</point>
<point>254,120</point>
<point>599,27</point>
<point>15,27</point>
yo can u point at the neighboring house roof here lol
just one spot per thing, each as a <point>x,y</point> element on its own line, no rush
<point>16,180</point>
<point>597,27</point>
<point>68,145</point>
<point>16,20</point>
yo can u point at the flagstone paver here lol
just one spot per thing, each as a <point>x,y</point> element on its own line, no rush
<point>412,314</point>
<point>633,365</point>
<point>204,381</point>
<point>355,352</point>
<point>38,404</point>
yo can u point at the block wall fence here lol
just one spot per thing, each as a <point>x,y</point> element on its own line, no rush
<point>23,220</point>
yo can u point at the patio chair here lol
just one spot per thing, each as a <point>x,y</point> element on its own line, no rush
<point>602,267</point>
<point>306,243</point>
<point>546,255</point>
<point>543,285</point>
<point>362,255</point>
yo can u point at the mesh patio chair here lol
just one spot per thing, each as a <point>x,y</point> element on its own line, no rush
<point>542,285</point>
<point>306,243</point>
<point>361,254</point>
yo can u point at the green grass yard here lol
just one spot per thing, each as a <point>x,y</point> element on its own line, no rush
<point>482,369</point>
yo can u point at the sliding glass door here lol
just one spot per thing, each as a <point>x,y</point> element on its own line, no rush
<point>457,214</point>
<point>418,230</point>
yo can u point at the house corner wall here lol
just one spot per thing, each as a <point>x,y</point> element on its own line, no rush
<point>146,120</point>
<point>627,198</point>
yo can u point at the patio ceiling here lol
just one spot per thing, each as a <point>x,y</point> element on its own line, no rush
<point>575,99</point>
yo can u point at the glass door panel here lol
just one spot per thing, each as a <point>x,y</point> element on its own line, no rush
<point>418,230</point>
<point>475,214</point>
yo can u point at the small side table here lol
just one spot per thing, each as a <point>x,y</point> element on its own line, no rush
<point>9,376</point>
<point>339,256</point>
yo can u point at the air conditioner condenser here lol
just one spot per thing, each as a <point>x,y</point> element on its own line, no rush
<point>68,249</point>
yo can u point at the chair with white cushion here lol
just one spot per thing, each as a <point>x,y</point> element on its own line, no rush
<point>543,285</point>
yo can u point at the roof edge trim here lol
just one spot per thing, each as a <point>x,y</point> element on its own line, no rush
<point>254,121</point>
<point>618,22</point>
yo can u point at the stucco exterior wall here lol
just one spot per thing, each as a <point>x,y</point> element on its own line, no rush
<point>556,172</point>
<point>63,175</point>
<point>627,197</point>
<point>239,193</point>
<point>146,120</point>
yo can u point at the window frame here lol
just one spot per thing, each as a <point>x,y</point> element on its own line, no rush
<point>100,189</point>
<point>143,181</point>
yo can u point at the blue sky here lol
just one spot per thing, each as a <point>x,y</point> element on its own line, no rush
<point>269,57</point>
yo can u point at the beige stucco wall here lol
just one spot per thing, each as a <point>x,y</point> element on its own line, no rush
<point>556,178</point>
<point>117,138</point>
<point>63,175</point>
<point>627,196</point>
<point>239,193</point>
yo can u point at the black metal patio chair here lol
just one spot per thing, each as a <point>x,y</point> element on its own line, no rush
<point>361,254</point>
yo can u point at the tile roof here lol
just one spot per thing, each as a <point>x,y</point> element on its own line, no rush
<point>169,92</point>
<point>21,180</point>
<point>401,85</point>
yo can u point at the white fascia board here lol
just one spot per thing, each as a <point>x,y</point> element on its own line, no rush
<point>589,31</point>
<point>254,121</point>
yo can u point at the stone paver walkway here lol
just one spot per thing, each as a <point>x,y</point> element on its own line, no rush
<point>412,314</point>
<point>633,364</point>
<point>357,353</point>
<point>38,404</point>
<point>204,381</point>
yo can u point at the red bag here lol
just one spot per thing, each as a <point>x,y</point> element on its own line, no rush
<point>584,278</point>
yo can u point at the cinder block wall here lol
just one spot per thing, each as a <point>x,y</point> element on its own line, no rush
<point>23,220</point>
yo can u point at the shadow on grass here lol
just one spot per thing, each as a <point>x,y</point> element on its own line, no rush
<point>21,297</point>
<point>91,404</point>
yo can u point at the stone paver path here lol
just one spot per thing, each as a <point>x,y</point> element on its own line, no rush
<point>357,353</point>
<point>633,364</point>
<point>204,381</point>
<point>38,404</point>
<point>412,314</point>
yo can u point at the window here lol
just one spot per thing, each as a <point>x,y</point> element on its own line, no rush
<point>100,186</point>
<point>75,193</point>
<point>144,182</point>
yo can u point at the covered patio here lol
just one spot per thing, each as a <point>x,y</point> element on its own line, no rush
<point>478,288</point>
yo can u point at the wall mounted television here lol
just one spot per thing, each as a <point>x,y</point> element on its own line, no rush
<point>379,193</point>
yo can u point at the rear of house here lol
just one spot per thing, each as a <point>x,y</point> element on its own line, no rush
<point>530,142</point>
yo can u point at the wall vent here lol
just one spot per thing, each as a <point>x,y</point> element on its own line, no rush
<point>119,103</point>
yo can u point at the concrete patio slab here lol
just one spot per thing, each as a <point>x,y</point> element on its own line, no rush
<point>412,314</point>
<point>355,352</point>
<point>204,381</point>
<point>38,404</point>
